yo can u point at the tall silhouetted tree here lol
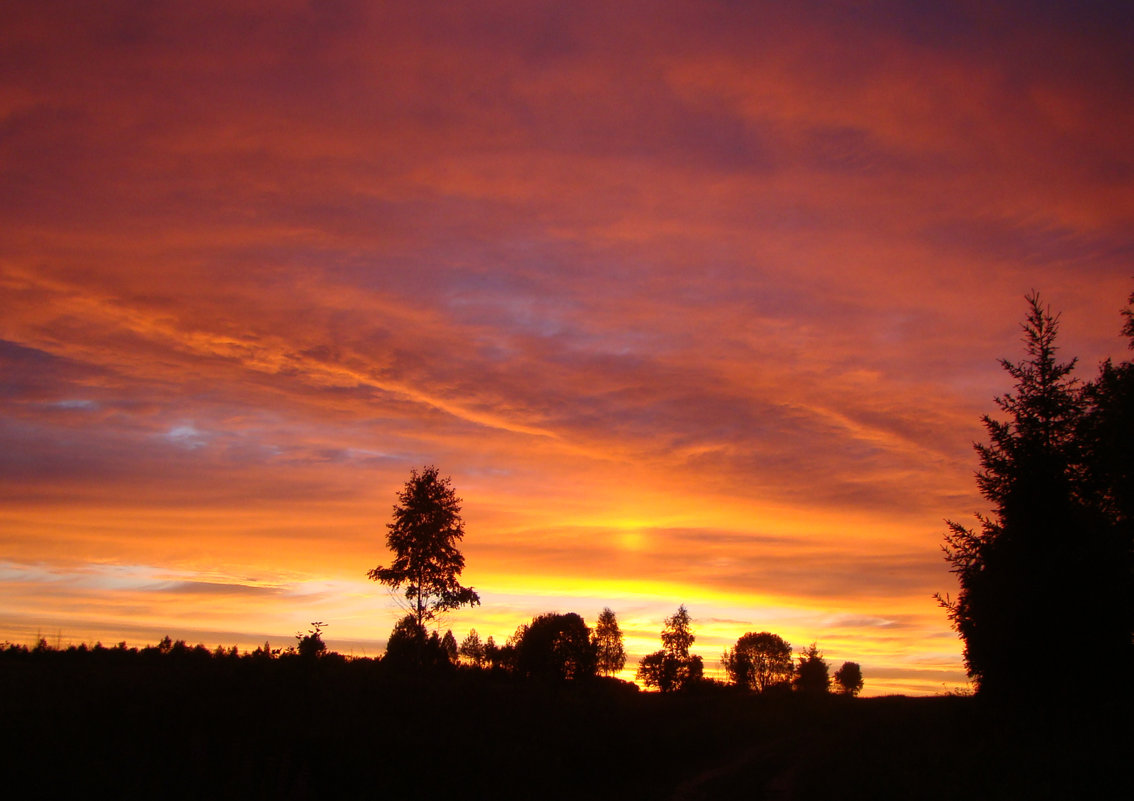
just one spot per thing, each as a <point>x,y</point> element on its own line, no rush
<point>423,536</point>
<point>848,678</point>
<point>608,643</point>
<point>1044,561</point>
<point>811,674</point>
<point>759,661</point>
<point>673,668</point>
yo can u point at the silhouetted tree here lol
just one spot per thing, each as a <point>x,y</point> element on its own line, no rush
<point>608,643</point>
<point>424,534</point>
<point>493,653</point>
<point>410,646</point>
<point>406,639</point>
<point>1053,555</point>
<point>311,645</point>
<point>759,661</point>
<point>1107,434</point>
<point>556,646</point>
<point>811,674</point>
<point>673,668</point>
<point>265,652</point>
<point>449,645</point>
<point>473,649</point>
<point>849,678</point>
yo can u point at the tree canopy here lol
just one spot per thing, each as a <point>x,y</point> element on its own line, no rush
<point>423,536</point>
<point>759,661</point>
<point>555,646</point>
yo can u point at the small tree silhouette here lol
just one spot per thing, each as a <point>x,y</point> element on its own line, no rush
<point>608,643</point>
<point>849,678</point>
<point>449,646</point>
<point>311,645</point>
<point>473,649</point>
<point>811,675</point>
<point>673,668</point>
<point>759,661</point>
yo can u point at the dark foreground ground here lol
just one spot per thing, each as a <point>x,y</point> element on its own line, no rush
<point>132,726</point>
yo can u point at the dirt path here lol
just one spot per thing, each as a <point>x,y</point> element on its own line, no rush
<point>764,772</point>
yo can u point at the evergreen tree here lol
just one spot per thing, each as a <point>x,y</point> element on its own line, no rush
<point>1049,559</point>
<point>1108,437</point>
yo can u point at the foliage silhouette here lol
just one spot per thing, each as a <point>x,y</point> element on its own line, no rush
<point>610,652</point>
<point>1107,434</point>
<point>1055,553</point>
<point>423,536</point>
<point>410,647</point>
<point>556,646</point>
<point>311,645</point>
<point>848,678</point>
<point>811,674</point>
<point>672,668</point>
<point>290,727</point>
<point>492,654</point>
<point>449,646</point>
<point>473,649</point>
<point>759,661</point>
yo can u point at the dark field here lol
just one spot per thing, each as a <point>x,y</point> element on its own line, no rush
<point>199,725</point>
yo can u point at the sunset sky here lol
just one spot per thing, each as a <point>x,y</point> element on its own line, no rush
<point>695,302</point>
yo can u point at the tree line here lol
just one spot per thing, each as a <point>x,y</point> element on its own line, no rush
<point>424,535</point>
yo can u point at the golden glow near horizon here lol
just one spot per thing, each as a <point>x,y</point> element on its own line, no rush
<point>695,305</point>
